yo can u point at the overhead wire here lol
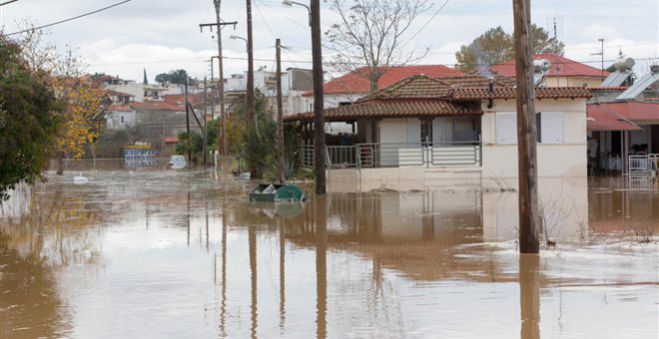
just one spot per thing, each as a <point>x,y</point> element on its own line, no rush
<point>69,19</point>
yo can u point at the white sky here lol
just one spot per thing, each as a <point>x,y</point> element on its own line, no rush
<point>161,35</point>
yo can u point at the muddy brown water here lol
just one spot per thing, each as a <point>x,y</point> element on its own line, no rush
<point>182,255</point>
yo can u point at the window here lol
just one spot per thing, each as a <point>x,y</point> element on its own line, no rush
<point>550,127</point>
<point>506,128</point>
<point>122,119</point>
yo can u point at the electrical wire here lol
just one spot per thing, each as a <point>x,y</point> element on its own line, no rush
<point>69,19</point>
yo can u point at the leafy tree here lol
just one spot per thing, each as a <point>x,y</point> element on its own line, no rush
<point>82,101</point>
<point>28,127</point>
<point>174,77</point>
<point>197,140</point>
<point>496,46</point>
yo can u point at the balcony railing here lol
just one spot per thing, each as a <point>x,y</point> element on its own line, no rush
<point>643,164</point>
<point>374,155</point>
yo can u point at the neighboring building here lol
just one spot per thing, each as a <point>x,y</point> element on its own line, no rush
<point>295,82</point>
<point>420,126</point>
<point>564,72</point>
<point>623,126</point>
<point>119,98</point>
<point>352,86</point>
<point>120,117</point>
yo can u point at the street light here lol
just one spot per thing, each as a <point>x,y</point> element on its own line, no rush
<point>291,3</point>
<point>235,37</point>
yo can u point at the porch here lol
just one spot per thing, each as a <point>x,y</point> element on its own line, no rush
<point>391,155</point>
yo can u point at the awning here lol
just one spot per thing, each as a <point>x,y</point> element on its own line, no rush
<point>599,119</point>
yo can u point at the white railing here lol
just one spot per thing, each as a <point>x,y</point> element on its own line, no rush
<point>368,155</point>
<point>643,164</point>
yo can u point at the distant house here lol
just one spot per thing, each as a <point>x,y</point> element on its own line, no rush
<point>564,72</point>
<point>354,85</point>
<point>422,126</point>
<point>295,82</point>
<point>119,116</point>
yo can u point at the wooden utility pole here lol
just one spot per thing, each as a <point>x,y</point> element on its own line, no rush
<point>319,113</point>
<point>205,122</point>
<point>529,217</point>
<point>250,65</point>
<point>187,121</point>
<point>280,118</point>
<point>220,81</point>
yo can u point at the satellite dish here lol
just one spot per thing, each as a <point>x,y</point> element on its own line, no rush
<point>540,69</point>
<point>177,162</point>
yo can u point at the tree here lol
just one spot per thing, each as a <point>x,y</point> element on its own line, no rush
<point>197,140</point>
<point>372,32</point>
<point>174,77</point>
<point>28,127</point>
<point>82,100</point>
<point>495,46</point>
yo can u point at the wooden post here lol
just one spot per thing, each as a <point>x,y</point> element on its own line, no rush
<point>187,121</point>
<point>205,123</point>
<point>220,80</point>
<point>529,217</point>
<point>250,65</point>
<point>319,113</point>
<point>529,295</point>
<point>280,118</point>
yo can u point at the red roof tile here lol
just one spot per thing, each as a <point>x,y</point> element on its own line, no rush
<point>560,66</point>
<point>120,108</point>
<point>393,109</point>
<point>600,120</point>
<point>356,81</point>
<point>156,106</point>
<point>474,93</point>
<point>632,110</point>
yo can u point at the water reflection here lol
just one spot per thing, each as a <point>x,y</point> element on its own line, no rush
<point>351,264</point>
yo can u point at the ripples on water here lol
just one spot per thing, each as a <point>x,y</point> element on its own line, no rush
<point>153,255</point>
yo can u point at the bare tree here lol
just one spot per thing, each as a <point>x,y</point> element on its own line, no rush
<point>371,32</point>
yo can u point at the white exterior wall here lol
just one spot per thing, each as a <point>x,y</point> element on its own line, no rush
<point>137,90</point>
<point>565,159</point>
<point>113,120</point>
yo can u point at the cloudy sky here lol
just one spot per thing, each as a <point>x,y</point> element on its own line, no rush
<point>161,35</point>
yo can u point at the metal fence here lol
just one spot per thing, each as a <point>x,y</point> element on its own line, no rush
<point>372,155</point>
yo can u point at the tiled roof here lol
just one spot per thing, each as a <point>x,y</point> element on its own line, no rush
<point>474,93</point>
<point>600,120</point>
<point>156,106</point>
<point>120,108</point>
<point>356,82</point>
<point>117,93</point>
<point>475,80</point>
<point>634,111</point>
<point>393,109</point>
<point>414,87</point>
<point>560,66</point>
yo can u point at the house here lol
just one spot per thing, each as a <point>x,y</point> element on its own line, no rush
<point>623,125</point>
<point>420,127</point>
<point>295,82</point>
<point>119,116</point>
<point>354,85</point>
<point>564,72</point>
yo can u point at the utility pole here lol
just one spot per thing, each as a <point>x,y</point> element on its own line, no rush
<point>601,40</point>
<point>280,118</point>
<point>250,64</point>
<point>529,218</point>
<point>319,113</point>
<point>187,121</point>
<point>205,121</point>
<point>220,83</point>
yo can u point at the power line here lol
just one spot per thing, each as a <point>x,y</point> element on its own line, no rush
<point>69,19</point>
<point>8,2</point>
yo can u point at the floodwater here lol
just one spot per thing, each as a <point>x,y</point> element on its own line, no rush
<point>182,255</point>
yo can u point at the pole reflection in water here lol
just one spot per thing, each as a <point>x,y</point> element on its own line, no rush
<point>321,266</point>
<point>282,274</point>
<point>223,305</point>
<point>251,234</point>
<point>529,294</point>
